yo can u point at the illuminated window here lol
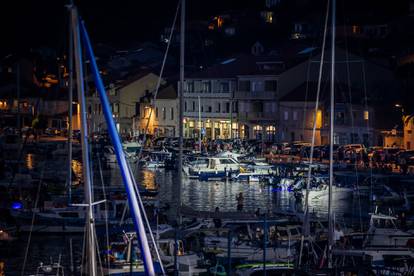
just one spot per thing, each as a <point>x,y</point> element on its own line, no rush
<point>286,115</point>
<point>220,22</point>
<point>356,29</point>
<point>267,16</point>
<point>319,119</point>
<point>366,115</point>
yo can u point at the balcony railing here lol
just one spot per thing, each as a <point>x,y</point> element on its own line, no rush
<point>16,111</point>
<point>255,95</point>
<point>258,116</point>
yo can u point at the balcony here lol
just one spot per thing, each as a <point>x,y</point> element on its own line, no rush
<point>25,110</point>
<point>203,95</point>
<point>255,95</point>
<point>258,116</point>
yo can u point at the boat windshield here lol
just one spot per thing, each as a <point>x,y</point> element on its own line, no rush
<point>384,223</point>
<point>212,164</point>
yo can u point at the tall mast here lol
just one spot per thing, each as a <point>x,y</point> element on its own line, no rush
<point>18,123</point>
<point>126,174</point>
<point>331,175</point>
<point>181,105</point>
<point>70,100</point>
<point>200,127</point>
<point>306,227</point>
<point>90,228</point>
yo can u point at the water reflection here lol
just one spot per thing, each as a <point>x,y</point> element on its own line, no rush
<point>148,179</point>
<point>30,161</point>
<point>77,168</point>
<point>209,195</point>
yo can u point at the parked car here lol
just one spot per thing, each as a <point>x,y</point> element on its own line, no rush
<point>52,131</point>
<point>405,157</point>
<point>371,151</point>
<point>294,148</point>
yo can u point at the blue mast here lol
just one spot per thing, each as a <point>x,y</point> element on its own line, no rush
<point>125,172</point>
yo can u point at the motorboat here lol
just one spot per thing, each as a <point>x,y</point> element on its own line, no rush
<point>319,189</point>
<point>67,219</point>
<point>272,268</point>
<point>383,232</point>
<point>229,154</point>
<point>199,163</point>
<point>254,172</point>
<point>189,263</point>
<point>131,147</point>
<point>217,169</point>
<point>156,159</point>
<point>53,268</point>
<point>110,157</point>
<point>376,261</point>
<point>246,241</point>
<point>321,192</point>
<point>124,258</point>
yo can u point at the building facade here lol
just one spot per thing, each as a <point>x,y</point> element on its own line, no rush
<point>353,119</point>
<point>124,100</point>
<point>209,108</point>
<point>158,117</point>
<point>236,98</point>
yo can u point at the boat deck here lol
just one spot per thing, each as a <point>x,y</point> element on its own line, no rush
<point>228,215</point>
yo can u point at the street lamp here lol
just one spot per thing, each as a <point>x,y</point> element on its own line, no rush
<point>402,111</point>
<point>399,106</point>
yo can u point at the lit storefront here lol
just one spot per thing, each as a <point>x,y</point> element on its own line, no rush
<point>225,129</point>
<point>212,129</point>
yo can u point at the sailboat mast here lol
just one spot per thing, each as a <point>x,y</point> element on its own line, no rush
<point>70,111</point>
<point>90,230</point>
<point>200,127</point>
<point>181,106</point>
<point>126,174</point>
<point>306,227</point>
<point>331,134</point>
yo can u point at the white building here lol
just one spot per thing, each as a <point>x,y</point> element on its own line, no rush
<point>124,99</point>
<point>238,99</point>
<point>161,114</point>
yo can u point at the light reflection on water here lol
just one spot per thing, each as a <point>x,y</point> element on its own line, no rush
<point>77,168</point>
<point>30,161</point>
<point>207,195</point>
<point>202,195</point>
<point>198,195</point>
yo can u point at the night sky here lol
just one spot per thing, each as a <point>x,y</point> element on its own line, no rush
<point>28,23</point>
<point>44,23</point>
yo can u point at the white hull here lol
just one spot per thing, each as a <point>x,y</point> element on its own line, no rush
<point>338,193</point>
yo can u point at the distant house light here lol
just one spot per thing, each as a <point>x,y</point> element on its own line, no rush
<point>356,29</point>
<point>228,61</point>
<point>366,115</point>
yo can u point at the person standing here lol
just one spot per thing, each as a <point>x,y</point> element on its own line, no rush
<point>240,201</point>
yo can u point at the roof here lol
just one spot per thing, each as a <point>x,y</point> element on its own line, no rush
<point>167,92</point>
<point>135,77</point>
<point>242,65</point>
<point>307,92</point>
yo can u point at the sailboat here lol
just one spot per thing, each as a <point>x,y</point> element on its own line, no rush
<point>81,38</point>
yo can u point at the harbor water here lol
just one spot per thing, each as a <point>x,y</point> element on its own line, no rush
<point>199,195</point>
